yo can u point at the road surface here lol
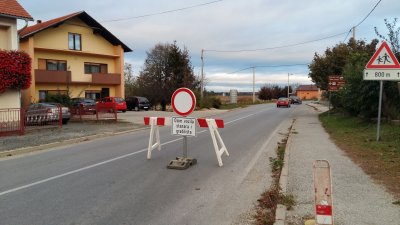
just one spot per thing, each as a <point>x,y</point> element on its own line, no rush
<point>110,181</point>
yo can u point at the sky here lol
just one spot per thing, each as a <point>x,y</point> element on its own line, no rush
<point>277,38</point>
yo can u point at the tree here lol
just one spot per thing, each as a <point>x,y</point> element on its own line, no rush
<point>166,69</point>
<point>15,70</point>
<point>392,36</point>
<point>130,81</point>
<point>334,60</point>
<point>391,91</point>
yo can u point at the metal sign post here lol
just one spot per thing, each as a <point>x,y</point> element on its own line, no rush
<point>379,110</point>
<point>183,103</point>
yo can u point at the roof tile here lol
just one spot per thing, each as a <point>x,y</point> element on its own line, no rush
<point>11,8</point>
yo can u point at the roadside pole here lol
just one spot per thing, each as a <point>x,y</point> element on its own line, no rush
<point>379,111</point>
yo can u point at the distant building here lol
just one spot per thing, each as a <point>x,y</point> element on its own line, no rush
<point>73,55</point>
<point>10,11</point>
<point>307,92</point>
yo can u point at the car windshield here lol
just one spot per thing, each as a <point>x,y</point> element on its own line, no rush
<point>282,99</point>
<point>143,100</point>
<point>119,100</point>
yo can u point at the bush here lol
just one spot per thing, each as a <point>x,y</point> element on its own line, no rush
<point>59,98</point>
<point>216,102</point>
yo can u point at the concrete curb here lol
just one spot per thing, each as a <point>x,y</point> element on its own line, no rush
<point>280,214</point>
<point>25,150</point>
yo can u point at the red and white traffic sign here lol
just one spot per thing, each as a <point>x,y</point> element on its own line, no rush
<point>183,101</point>
<point>383,59</point>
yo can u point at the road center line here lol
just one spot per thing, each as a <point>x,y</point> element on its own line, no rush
<point>101,163</point>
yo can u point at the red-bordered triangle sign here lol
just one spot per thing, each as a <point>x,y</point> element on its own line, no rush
<point>383,59</point>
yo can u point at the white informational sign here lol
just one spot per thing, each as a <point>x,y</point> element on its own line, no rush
<point>184,126</point>
<point>382,74</point>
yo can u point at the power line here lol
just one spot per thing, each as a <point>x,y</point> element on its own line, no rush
<point>287,65</point>
<point>368,14</point>
<point>276,47</point>
<point>163,12</point>
<point>300,43</point>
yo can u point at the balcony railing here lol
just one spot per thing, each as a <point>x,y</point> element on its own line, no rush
<point>64,77</point>
<point>52,77</point>
<point>106,78</point>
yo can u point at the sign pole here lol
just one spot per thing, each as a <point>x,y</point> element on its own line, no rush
<point>379,110</point>
<point>329,105</point>
<point>184,147</point>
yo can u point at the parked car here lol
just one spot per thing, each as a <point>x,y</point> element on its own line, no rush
<point>86,104</point>
<point>295,100</point>
<point>109,102</point>
<point>137,103</point>
<point>283,102</point>
<point>45,112</point>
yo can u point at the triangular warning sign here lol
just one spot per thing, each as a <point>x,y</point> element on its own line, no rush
<point>383,59</point>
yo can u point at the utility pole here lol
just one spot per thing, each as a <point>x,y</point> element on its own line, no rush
<point>288,85</point>
<point>202,75</point>
<point>254,81</point>
<point>354,33</point>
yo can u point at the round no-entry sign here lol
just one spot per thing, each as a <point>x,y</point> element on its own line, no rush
<point>183,101</point>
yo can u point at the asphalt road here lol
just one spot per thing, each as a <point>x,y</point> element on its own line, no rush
<point>110,181</point>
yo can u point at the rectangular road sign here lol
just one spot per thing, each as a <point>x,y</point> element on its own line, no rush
<point>184,126</point>
<point>382,74</point>
<point>335,82</point>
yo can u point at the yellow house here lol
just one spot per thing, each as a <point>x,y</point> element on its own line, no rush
<point>73,55</point>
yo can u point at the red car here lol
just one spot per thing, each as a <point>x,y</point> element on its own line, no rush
<point>109,102</point>
<point>283,102</point>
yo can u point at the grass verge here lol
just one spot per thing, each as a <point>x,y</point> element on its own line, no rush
<point>379,159</point>
<point>267,203</point>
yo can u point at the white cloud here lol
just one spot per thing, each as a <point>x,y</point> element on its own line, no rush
<point>231,25</point>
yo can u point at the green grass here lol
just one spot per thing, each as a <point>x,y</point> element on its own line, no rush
<point>380,159</point>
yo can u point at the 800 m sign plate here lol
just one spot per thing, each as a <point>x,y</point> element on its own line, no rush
<point>382,74</point>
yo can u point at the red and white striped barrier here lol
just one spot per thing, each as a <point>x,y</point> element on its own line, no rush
<point>212,124</point>
<point>219,146</point>
<point>154,123</point>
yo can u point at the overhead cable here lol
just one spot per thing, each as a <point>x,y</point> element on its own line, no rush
<point>163,12</point>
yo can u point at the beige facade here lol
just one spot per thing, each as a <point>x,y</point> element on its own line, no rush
<point>8,33</point>
<point>93,69</point>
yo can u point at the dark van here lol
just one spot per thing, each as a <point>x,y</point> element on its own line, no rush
<point>137,103</point>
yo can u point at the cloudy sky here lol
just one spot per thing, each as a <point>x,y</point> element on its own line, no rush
<point>276,37</point>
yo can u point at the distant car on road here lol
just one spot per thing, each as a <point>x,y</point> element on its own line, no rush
<point>110,102</point>
<point>295,100</point>
<point>283,102</point>
<point>137,103</point>
<point>44,112</point>
<point>87,105</point>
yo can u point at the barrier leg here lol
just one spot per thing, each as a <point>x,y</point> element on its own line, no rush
<point>217,141</point>
<point>154,133</point>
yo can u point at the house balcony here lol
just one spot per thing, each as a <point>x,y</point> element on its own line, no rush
<point>66,77</point>
<point>52,77</point>
<point>106,78</point>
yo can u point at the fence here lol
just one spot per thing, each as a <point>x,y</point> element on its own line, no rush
<point>10,121</point>
<point>97,112</point>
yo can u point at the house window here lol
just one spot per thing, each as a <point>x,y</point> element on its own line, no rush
<point>74,41</point>
<point>52,64</point>
<point>95,68</point>
<point>44,93</point>
<point>59,65</point>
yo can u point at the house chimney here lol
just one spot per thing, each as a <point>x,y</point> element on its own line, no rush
<point>38,21</point>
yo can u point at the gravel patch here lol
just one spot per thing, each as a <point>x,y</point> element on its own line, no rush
<point>72,130</point>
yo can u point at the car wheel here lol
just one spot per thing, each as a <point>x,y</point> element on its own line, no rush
<point>136,108</point>
<point>65,121</point>
<point>123,111</point>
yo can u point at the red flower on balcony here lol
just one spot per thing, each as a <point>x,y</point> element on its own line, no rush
<point>15,70</point>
